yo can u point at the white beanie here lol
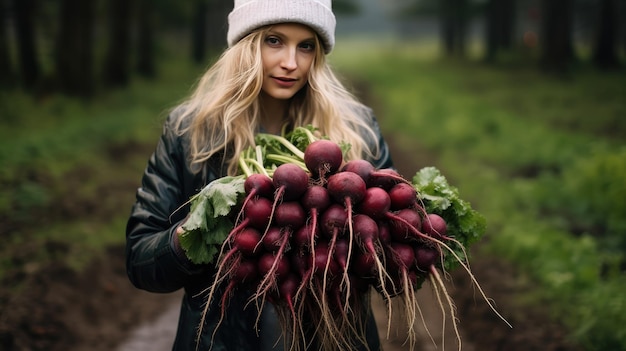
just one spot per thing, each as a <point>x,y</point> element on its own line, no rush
<point>248,15</point>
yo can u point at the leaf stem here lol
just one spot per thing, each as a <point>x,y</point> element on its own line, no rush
<point>286,143</point>
<point>286,159</point>
<point>308,133</point>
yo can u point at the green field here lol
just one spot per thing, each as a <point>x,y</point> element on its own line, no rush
<point>544,159</point>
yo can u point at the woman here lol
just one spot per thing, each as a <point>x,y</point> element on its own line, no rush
<point>273,74</point>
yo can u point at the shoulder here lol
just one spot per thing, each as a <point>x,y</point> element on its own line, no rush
<point>178,119</point>
<point>368,125</point>
<point>177,134</point>
<point>374,139</point>
<point>176,126</point>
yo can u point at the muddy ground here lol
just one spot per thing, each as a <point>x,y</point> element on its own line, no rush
<point>59,309</point>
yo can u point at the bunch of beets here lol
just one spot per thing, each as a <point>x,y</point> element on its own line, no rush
<point>313,242</point>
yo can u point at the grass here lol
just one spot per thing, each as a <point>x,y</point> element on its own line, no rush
<point>67,165</point>
<point>532,153</point>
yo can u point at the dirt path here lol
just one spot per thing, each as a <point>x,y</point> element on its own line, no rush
<point>156,335</point>
<point>430,334</point>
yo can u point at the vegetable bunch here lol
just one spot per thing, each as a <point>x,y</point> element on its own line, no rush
<point>312,233</point>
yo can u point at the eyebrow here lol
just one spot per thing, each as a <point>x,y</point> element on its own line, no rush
<point>283,35</point>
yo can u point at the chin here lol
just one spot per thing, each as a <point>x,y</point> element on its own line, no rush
<point>281,95</point>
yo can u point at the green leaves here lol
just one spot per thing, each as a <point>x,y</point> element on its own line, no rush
<point>464,223</point>
<point>301,137</point>
<point>209,224</point>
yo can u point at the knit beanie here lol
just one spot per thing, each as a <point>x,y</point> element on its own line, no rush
<point>248,15</point>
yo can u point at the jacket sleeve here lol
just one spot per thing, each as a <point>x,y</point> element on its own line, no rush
<point>153,261</point>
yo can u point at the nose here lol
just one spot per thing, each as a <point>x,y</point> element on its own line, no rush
<point>290,60</point>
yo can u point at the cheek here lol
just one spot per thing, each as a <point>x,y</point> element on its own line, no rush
<point>267,60</point>
<point>306,65</point>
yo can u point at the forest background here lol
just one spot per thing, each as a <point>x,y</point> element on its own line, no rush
<point>519,102</point>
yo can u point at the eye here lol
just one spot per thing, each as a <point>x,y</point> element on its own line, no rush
<point>308,46</point>
<point>272,40</point>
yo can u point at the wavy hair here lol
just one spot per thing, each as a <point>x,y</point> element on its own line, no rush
<point>222,114</point>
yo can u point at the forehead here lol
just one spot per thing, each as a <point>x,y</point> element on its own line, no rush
<point>296,30</point>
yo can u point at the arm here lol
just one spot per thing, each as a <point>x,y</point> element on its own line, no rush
<point>154,260</point>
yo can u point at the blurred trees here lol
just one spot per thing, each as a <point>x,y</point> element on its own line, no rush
<point>6,70</point>
<point>80,47</point>
<point>454,18</point>
<point>74,58</point>
<point>198,31</point>
<point>549,29</point>
<point>27,54</point>
<point>209,27</point>
<point>500,27</point>
<point>606,37</point>
<point>116,70</point>
<point>556,45</point>
<point>146,66</point>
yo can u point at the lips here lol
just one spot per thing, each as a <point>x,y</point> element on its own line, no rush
<point>285,81</point>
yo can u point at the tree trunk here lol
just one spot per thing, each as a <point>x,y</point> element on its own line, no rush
<point>507,25</point>
<point>453,26</point>
<point>74,52</point>
<point>116,72</point>
<point>500,27</point>
<point>447,27</point>
<point>605,48</point>
<point>145,39</point>
<point>7,75</point>
<point>556,42</point>
<point>30,69</point>
<point>217,24</point>
<point>198,31</point>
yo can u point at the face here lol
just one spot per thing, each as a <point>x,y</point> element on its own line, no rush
<point>287,54</point>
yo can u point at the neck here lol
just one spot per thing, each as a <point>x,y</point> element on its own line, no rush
<point>273,113</point>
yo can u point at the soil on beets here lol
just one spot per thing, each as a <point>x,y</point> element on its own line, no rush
<point>57,308</point>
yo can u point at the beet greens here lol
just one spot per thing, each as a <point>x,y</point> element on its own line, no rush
<point>315,234</point>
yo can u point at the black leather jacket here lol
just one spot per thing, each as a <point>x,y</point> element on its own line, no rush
<point>154,264</point>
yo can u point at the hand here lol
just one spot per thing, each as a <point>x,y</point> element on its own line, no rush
<point>179,229</point>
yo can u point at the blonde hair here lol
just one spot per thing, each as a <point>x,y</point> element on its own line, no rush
<point>222,114</point>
